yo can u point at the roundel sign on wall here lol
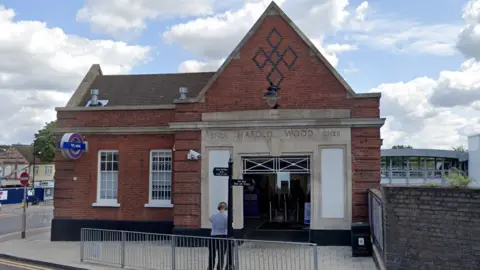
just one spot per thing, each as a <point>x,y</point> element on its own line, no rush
<point>72,146</point>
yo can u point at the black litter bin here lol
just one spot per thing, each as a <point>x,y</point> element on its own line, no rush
<point>361,243</point>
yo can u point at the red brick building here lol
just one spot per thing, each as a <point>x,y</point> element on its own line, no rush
<point>317,152</point>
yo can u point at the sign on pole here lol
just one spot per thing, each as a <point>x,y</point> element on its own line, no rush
<point>220,171</point>
<point>242,182</point>
<point>24,177</point>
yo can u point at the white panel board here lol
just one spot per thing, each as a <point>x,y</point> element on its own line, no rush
<point>333,183</point>
<point>218,185</point>
<point>474,159</point>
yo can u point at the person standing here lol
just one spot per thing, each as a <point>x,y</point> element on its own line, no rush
<point>218,242</point>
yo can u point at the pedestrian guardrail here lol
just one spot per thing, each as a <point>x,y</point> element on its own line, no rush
<point>375,205</point>
<point>140,250</point>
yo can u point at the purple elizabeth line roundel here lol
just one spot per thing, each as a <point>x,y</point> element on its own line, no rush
<point>72,138</point>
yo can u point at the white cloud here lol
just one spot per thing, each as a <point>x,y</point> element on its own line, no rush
<point>458,88</point>
<point>403,36</point>
<point>469,37</point>
<point>133,15</point>
<point>430,113</point>
<point>361,10</point>
<point>412,119</point>
<point>40,68</point>
<point>339,48</point>
<point>195,66</point>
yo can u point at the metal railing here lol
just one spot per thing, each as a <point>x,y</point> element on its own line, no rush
<point>140,250</point>
<point>375,205</point>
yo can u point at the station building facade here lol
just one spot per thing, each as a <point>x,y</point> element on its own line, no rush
<point>312,155</point>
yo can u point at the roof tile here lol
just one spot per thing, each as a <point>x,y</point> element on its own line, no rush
<point>149,89</point>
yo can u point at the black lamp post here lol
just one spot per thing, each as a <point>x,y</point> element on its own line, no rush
<point>34,171</point>
<point>271,96</point>
<point>230,199</point>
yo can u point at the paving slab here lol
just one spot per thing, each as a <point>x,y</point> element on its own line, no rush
<point>39,248</point>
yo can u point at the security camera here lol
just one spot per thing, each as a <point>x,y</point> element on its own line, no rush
<point>192,155</point>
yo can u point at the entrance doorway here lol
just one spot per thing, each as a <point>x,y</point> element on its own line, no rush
<point>279,197</point>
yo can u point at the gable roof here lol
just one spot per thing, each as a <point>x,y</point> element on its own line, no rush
<point>275,10</point>
<point>149,89</point>
<point>12,154</point>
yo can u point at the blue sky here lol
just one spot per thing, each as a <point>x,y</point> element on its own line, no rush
<point>374,66</point>
<point>422,55</point>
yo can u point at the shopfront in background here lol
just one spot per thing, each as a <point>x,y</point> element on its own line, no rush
<point>48,187</point>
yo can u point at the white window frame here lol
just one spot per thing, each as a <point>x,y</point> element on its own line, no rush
<point>106,202</point>
<point>36,170</point>
<point>48,170</point>
<point>159,203</point>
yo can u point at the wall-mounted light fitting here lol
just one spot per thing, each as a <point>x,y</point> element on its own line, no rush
<point>271,96</point>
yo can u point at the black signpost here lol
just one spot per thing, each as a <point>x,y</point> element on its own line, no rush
<point>230,214</point>
<point>222,171</point>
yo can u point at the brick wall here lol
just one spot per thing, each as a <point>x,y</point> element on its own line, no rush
<point>110,118</point>
<point>366,159</point>
<point>187,190</point>
<point>74,199</point>
<point>432,228</point>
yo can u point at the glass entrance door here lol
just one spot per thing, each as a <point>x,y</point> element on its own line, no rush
<point>291,194</point>
<point>282,188</point>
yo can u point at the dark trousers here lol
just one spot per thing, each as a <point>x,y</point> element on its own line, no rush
<point>220,245</point>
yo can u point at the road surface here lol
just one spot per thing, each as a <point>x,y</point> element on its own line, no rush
<point>14,265</point>
<point>37,217</point>
<point>11,222</point>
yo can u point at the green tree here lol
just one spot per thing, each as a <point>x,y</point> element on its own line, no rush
<point>44,143</point>
<point>402,147</point>
<point>459,148</point>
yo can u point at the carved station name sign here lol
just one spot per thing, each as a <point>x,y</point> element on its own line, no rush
<point>290,133</point>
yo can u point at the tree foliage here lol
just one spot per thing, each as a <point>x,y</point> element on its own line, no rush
<point>459,148</point>
<point>402,147</point>
<point>458,179</point>
<point>44,143</point>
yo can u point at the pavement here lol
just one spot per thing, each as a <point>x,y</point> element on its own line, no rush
<point>38,249</point>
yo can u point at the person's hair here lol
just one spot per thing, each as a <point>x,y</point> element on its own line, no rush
<point>222,205</point>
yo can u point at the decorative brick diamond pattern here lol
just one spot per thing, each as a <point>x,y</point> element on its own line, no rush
<point>275,57</point>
